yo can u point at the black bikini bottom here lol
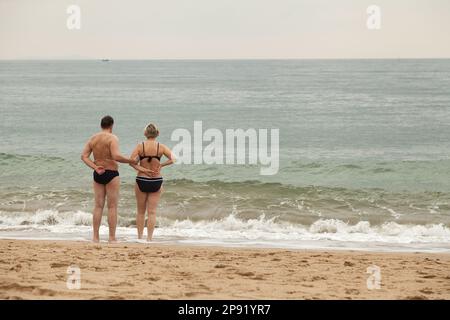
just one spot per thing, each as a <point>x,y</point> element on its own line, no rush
<point>106,177</point>
<point>149,184</point>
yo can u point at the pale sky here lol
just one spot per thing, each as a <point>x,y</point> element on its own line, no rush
<point>224,29</point>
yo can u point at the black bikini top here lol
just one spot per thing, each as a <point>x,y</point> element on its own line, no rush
<point>150,157</point>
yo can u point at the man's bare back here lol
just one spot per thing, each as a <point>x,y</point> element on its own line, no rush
<point>100,144</point>
<point>105,147</point>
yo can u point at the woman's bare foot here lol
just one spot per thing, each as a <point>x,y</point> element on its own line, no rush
<point>95,240</point>
<point>112,240</point>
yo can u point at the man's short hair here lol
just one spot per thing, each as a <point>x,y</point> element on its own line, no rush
<point>107,122</point>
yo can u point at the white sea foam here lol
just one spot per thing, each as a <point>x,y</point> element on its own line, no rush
<point>232,229</point>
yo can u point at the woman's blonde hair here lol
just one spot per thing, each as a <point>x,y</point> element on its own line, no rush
<point>151,131</point>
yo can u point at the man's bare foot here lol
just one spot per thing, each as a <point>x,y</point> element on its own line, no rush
<point>95,240</point>
<point>149,239</point>
<point>113,240</point>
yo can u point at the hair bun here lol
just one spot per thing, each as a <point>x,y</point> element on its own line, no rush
<point>151,131</point>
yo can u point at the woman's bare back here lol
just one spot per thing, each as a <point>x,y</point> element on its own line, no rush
<point>148,152</point>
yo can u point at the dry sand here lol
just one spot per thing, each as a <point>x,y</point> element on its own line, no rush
<point>38,270</point>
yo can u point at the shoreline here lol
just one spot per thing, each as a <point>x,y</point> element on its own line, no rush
<point>375,247</point>
<point>37,269</point>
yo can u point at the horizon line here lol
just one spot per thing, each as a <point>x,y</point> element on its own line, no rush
<point>216,59</point>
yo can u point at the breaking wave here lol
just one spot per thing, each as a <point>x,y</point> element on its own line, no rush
<point>233,228</point>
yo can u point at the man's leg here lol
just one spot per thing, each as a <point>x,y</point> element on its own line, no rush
<point>112,198</point>
<point>99,204</point>
<point>141,201</point>
<point>152,204</point>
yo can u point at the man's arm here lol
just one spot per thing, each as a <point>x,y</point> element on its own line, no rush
<point>85,157</point>
<point>115,153</point>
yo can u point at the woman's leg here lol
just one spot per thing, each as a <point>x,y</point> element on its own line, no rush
<point>152,204</point>
<point>141,200</point>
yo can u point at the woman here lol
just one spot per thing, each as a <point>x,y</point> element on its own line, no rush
<point>149,179</point>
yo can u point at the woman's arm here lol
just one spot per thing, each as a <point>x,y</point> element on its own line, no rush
<point>168,153</point>
<point>137,167</point>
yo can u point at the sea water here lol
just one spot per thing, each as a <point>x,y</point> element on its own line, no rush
<point>364,150</point>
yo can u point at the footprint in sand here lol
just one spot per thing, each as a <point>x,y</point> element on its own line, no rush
<point>190,294</point>
<point>100,268</point>
<point>153,278</point>
<point>426,291</point>
<point>120,284</point>
<point>59,264</point>
<point>30,289</point>
<point>203,286</point>
<point>352,291</point>
<point>16,268</point>
<point>416,298</point>
<point>134,255</point>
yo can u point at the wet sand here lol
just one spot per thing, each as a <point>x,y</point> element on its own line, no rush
<point>38,270</point>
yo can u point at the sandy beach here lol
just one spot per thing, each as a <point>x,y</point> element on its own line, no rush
<point>38,270</point>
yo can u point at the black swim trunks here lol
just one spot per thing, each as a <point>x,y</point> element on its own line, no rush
<point>149,185</point>
<point>106,177</point>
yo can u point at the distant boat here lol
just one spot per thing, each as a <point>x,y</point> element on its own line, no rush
<point>105,60</point>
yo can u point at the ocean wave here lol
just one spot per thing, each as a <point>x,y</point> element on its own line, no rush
<point>12,158</point>
<point>393,175</point>
<point>233,228</point>
<point>45,218</point>
<point>212,200</point>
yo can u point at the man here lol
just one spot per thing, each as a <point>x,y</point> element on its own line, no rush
<point>105,147</point>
